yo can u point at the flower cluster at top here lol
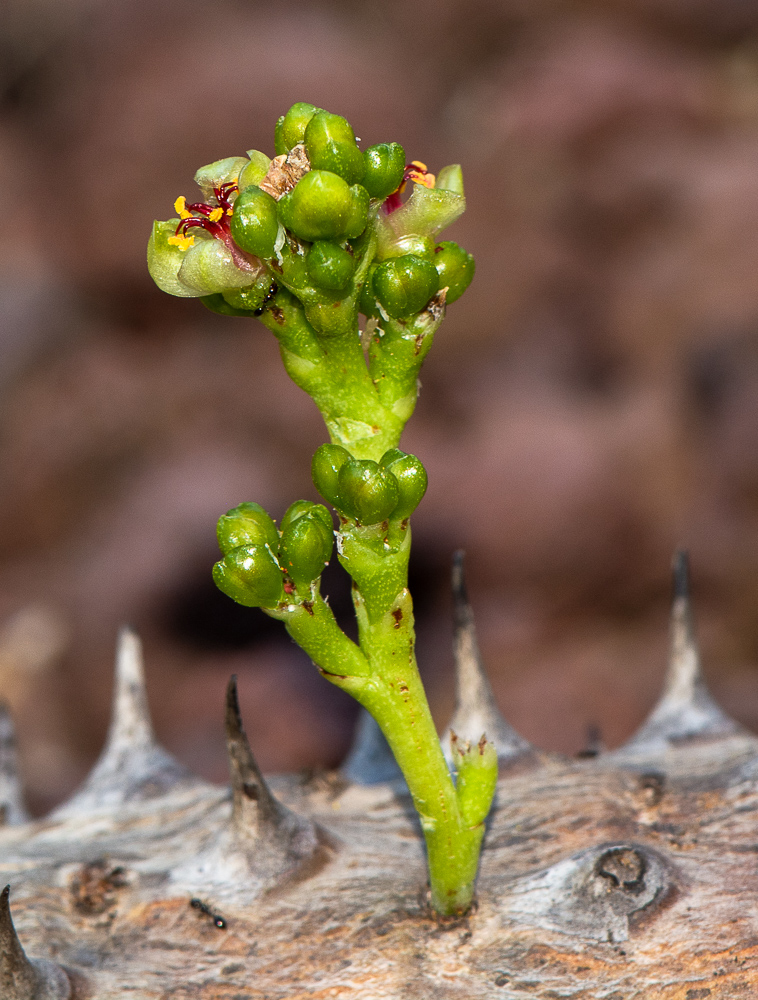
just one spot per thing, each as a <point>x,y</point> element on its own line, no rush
<point>324,220</point>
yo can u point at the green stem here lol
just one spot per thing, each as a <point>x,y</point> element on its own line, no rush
<point>333,371</point>
<point>398,702</point>
<point>383,676</point>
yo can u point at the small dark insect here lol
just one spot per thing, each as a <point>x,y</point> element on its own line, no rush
<point>269,296</point>
<point>218,920</point>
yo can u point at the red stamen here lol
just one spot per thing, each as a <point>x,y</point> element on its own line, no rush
<point>214,228</point>
<point>201,207</point>
<point>222,194</point>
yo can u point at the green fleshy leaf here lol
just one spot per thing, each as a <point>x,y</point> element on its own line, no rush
<point>208,267</point>
<point>218,173</point>
<point>426,213</point>
<point>164,260</point>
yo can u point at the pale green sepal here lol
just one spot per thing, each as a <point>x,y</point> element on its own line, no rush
<point>208,267</point>
<point>451,179</point>
<point>477,778</point>
<point>426,213</point>
<point>254,170</point>
<point>164,260</point>
<point>220,172</point>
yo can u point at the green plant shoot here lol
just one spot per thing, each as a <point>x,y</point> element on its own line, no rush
<point>308,242</point>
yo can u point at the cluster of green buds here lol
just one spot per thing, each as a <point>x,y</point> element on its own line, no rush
<point>308,219</point>
<point>369,492</point>
<point>308,242</point>
<point>263,567</point>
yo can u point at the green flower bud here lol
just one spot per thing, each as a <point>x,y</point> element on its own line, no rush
<point>419,246</point>
<point>404,285</point>
<point>164,260</point>
<point>367,299</point>
<point>330,143</point>
<point>246,524</point>
<point>294,124</point>
<point>318,207</point>
<point>368,492</point>
<point>324,127</point>
<point>306,545</point>
<point>251,576</point>
<point>329,265</point>
<point>411,478</point>
<point>385,167</point>
<point>303,508</point>
<point>450,179</point>
<point>255,223</point>
<point>358,214</point>
<point>325,468</point>
<point>455,267</point>
<point>254,170</point>
<point>341,158</point>
<point>208,266</point>
<point>224,171</point>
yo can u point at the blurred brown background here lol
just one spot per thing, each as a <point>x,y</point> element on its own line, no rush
<point>589,405</point>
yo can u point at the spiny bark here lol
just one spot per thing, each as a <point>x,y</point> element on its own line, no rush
<point>628,875</point>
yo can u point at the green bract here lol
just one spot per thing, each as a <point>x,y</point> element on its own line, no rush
<point>164,260</point>
<point>255,224</point>
<point>250,575</point>
<point>455,268</point>
<point>254,170</point>
<point>208,267</point>
<point>384,168</point>
<point>404,285</point>
<point>246,524</point>
<point>318,207</point>
<point>426,213</point>
<point>329,265</point>
<point>419,246</point>
<point>450,179</point>
<point>221,172</point>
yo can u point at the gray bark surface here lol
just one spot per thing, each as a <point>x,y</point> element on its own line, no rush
<point>627,875</point>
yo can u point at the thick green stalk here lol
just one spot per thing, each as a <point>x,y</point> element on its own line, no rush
<point>383,676</point>
<point>333,371</point>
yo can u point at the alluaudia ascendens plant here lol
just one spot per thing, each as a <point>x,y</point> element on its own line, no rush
<point>307,243</point>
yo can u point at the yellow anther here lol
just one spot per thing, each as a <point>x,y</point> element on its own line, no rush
<point>180,207</point>
<point>183,242</point>
<point>421,175</point>
<point>230,211</point>
<point>216,214</point>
